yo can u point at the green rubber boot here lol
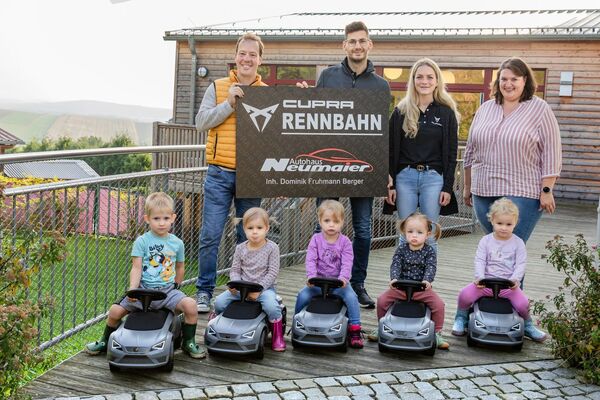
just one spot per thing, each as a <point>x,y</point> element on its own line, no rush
<point>189,345</point>
<point>98,347</point>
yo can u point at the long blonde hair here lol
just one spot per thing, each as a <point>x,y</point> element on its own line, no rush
<point>409,105</point>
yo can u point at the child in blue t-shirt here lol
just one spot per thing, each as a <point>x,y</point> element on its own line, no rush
<point>157,263</point>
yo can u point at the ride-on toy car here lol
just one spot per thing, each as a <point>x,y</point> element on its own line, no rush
<point>493,320</point>
<point>147,338</point>
<point>242,328</point>
<point>323,322</point>
<point>407,324</point>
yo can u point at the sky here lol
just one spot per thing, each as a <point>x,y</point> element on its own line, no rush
<point>113,50</point>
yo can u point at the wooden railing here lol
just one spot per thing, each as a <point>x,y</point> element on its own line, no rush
<point>171,134</point>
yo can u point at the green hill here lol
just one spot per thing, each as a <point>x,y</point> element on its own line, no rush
<point>30,125</point>
<point>26,125</point>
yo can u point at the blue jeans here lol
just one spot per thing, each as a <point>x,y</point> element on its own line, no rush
<point>267,299</point>
<point>219,192</point>
<point>346,293</point>
<point>362,213</point>
<point>529,214</point>
<point>419,189</point>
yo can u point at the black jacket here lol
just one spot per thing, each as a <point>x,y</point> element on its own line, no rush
<point>449,148</point>
<point>341,76</point>
<point>449,142</point>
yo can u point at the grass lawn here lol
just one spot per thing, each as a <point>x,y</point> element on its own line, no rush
<point>94,275</point>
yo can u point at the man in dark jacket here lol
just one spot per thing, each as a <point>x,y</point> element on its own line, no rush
<point>356,71</point>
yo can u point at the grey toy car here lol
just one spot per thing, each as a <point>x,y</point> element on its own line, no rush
<point>407,324</point>
<point>323,322</point>
<point>242,328</point>
<point>147,338</point>
<point>493,320</point>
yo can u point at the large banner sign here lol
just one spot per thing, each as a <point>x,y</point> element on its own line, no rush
<point>312,142</point>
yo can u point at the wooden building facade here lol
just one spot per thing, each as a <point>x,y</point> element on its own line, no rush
<point>469,55</point>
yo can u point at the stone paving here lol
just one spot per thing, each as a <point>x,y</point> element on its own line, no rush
<point>524,380</point>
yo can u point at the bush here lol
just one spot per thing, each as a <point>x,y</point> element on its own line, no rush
<point>18,312</point>
<point>574,321</point>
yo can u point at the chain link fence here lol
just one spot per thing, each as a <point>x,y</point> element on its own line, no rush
<point>101,217</point>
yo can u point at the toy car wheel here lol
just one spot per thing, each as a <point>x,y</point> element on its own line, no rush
<point>260,353</point>
<point>431,351</point>
<point>517,347</point>
<point>114,368</point>
<point>382,348</point>
<point>284,318</point>
<point>296,344</point>
<point>470,341</point>
<point>177,341</point>
<point>168,367</point>
<point>343,347</point>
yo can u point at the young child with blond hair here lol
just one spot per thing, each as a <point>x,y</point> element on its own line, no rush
<point>257,260</point>
<point>500,254</point>
<point>330,255</point>
<point>153,256</point>
<point>415,260</point>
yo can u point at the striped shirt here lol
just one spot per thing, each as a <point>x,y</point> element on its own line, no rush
<point>509,156</point>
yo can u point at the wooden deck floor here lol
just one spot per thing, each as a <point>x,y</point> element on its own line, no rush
<point>84,376</point>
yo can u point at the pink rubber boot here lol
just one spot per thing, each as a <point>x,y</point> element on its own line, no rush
<point>277,342</point>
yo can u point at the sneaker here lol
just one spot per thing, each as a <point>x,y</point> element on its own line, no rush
<point>95,348</point>
<point>460,323</point>
<point>534,333</point>
<point>373,336</point>
<point>354,337</point>
<point>193,350</point>
<point>203,302</point>
<point>364,299</point>
<point>441,342</point>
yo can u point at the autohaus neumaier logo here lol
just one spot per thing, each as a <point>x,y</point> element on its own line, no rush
<point>318,118</point>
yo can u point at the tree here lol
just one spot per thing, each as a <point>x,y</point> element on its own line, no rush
<point>118,164</point>
<point>18,312</point>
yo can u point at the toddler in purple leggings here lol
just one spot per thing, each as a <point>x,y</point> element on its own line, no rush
<point>499,255</point>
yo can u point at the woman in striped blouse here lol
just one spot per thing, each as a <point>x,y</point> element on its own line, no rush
<point>513,150</point>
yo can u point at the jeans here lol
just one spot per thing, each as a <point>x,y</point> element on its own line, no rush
<point>362,213</point>
<point>529,214</point>
<point>219,192</point>
<point>346,293</point>
<point>267,299</point>
<point>419,189</point>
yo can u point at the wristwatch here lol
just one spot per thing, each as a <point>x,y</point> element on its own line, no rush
<point>546,189</point>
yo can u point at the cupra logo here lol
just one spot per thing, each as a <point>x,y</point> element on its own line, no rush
<point>267,113</point>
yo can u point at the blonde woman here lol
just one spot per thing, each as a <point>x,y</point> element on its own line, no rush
<point>423,146</point>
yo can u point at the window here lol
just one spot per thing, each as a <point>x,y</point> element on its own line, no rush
<point>467,104</point>
<point>286,75</point>
<point>297,72</point>
<point>468,87</point>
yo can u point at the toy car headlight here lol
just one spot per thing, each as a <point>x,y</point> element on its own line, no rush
<point>159,346</point>
<point>249,334</point>
<point>211,331</point>
<point>387,329</point>
<point>424,332</point>
<point>336,328</point>
<point>299,325</point>
<point>479,324</point>
<point>116,345</point>
<point>516,327</point>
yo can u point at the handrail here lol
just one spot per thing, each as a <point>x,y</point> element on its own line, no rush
<point>100,179</point>
<point>59,154</point>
